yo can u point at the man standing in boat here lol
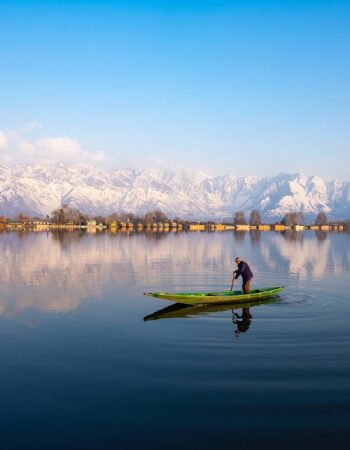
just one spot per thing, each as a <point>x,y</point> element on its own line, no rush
<point>246,274</point>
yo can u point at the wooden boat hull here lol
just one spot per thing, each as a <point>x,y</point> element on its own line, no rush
<point>206,298</point>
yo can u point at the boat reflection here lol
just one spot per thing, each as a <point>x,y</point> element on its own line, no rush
<point>242,321</point>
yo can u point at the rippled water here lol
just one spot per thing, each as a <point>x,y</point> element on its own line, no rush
<point>88,362</point>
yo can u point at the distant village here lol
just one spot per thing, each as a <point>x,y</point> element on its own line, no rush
<point>66,218</point>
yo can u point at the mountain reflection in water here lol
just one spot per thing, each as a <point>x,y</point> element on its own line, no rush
<point>55,272</point>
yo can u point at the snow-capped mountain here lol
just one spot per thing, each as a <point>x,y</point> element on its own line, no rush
<point>37,189</point>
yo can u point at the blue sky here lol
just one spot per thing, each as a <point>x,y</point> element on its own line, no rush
<point>239,87</point>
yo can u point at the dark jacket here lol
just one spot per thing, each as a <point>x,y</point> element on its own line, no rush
<point>244,270</point>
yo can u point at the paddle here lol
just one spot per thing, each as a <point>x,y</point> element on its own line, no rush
<point>233,280</point>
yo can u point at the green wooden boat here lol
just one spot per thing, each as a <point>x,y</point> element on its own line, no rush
<point>205,298</point>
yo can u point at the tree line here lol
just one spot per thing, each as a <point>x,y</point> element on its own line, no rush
<point>290,219</point>
<point>67,215</point>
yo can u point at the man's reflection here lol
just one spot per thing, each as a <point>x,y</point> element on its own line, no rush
<point>242,321</point>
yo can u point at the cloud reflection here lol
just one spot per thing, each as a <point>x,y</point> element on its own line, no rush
<point>55,272</point>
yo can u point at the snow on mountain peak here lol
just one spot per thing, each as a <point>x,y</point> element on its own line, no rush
<point>37,189</point>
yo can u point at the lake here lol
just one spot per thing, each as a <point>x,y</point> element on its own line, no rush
<point>82,369</point>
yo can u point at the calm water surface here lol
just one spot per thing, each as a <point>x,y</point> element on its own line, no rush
<point>81,368</point>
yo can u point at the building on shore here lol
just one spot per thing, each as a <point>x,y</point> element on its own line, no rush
<point>280,227</point>
<point>14,225</point>
<point>242,227</point>
<point>264,227</point>
<point>196,227</point>
<point>91,224</point>
<point>39,225</point>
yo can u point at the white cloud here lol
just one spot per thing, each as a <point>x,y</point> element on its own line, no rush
<point>14,147</point>
<point>63,149</point>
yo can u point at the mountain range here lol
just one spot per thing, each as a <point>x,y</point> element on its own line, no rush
<point>37,189</point>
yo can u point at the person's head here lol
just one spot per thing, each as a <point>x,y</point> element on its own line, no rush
<point>238,260</point>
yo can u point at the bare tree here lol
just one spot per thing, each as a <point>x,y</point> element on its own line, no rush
<point>239,218</point>
<point>3,220</point>
<point>114,217</point>
<point>65,214</point>
<point>321,219</point>
<point>149,218</point>
<point>288,219</point>
<point>58,217</point>
<point>99,219</point>
<point>293,218</point>
<point>255,218</point>
<point>128,217</point>
<point>23,218</point>
<point>74,216</point>
<point>159,216</point>
<point>299,218</point>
